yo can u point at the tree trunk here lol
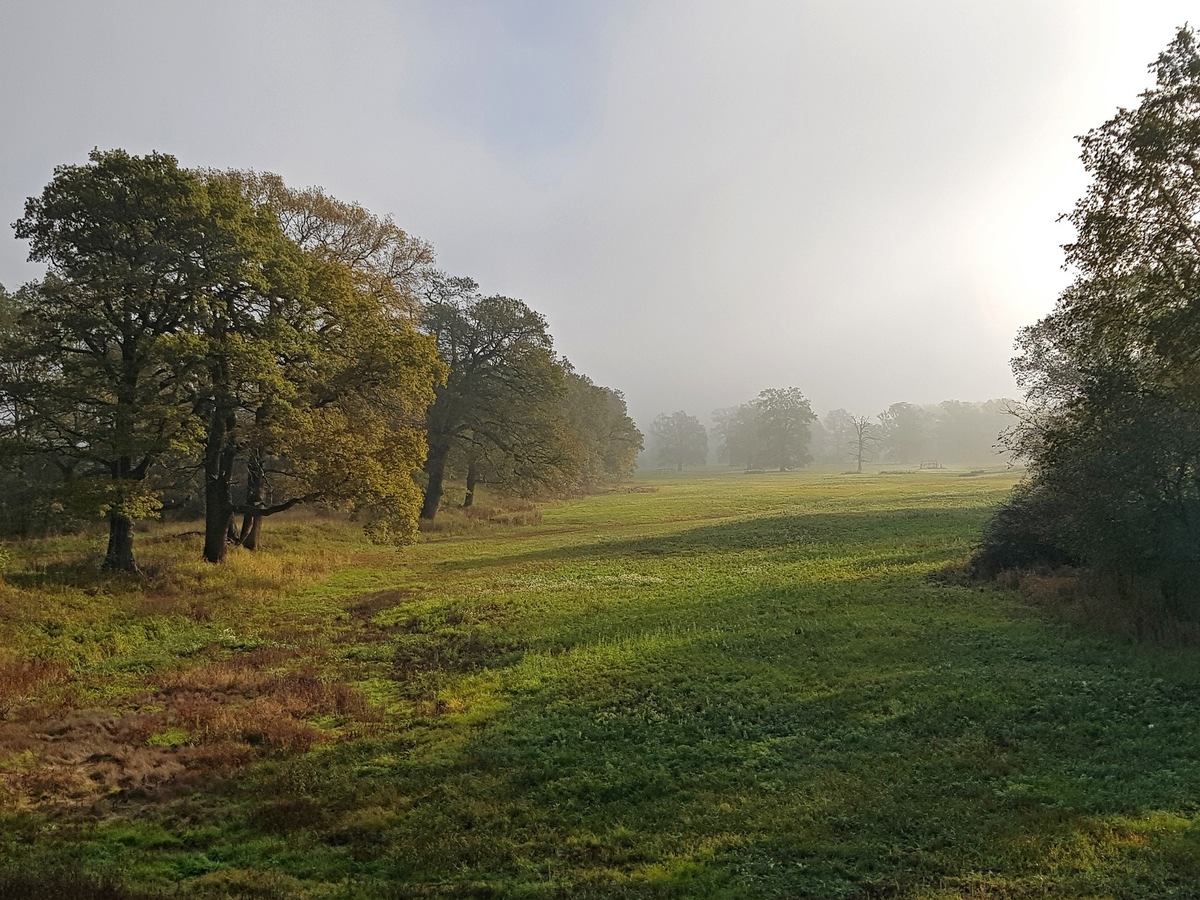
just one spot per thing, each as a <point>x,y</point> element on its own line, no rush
<point>680,469</point>
<point>435,468</point>
<point>472,477</point>
<point>256,498</point>
<point>119,556</point>
<point>251,528</point>
<point>218,512</point>
<point>219,455</point>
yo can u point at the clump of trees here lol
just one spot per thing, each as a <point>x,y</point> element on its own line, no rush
<point>1111,422</point>
<point>772,431</point>
<point>221,337</point>
<point>511,412</point>
<point>953,431</point>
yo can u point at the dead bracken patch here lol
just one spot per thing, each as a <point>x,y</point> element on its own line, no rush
<point>203,722</point>
<point>20,678</point>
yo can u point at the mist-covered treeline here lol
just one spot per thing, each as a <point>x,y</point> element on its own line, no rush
<point>950,432</point>
<point>222,343</point>
<point>779,430</point>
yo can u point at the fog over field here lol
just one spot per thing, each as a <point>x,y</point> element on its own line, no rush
<point>704,198</point>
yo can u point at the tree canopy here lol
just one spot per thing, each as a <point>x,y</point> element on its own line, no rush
<point>1111,424</point>
<point>222,334</point>
<point>135,248</point>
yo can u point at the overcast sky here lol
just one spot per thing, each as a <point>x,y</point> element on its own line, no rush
<point>704,198</point>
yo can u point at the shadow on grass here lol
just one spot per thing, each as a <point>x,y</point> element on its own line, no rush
<point>809,531</point>
<point>757,759</point>
<point>76,573</point>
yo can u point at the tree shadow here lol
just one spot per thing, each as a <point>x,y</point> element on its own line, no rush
<point>814,532</point>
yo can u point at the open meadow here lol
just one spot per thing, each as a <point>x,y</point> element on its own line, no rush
<point>715,685</point>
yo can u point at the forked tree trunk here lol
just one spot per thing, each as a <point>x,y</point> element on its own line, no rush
<point>219,455</point>
<point>256,498</point>
<point>251,528</point>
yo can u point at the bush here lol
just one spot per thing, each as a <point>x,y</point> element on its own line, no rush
<point>1025,532</point>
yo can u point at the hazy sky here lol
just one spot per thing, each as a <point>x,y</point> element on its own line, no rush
<point>704,198</point>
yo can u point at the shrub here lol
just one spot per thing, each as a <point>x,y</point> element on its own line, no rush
<point>1025,532</point>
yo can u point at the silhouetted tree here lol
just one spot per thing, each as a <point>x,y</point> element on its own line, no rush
<point>1111,426</point>
<point>784,415</point>
<point>862,440</point>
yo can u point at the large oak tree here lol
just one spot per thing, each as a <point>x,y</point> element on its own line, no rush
<point>134,247</point>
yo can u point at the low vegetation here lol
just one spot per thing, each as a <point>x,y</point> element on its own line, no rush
<point>714,686</point>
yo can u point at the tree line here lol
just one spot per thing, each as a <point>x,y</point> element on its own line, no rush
<point>217,340</point>
<point>779,430</point>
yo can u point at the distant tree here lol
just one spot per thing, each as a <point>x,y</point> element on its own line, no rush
<point>862,440</point>
<point>969,432</point>
<point>784,416</point>
<point>904,433</point>
<point>605,439</point>
<point>838,430</point>
<point>501,403</point>
<point>736,430</point>
<point>679,440</point>
<point>34,478</point>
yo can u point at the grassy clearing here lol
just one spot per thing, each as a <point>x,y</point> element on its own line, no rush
<point>716,686</point>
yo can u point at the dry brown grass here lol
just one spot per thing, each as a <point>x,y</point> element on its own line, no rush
<point>21,678</point>
<point>1126,607</point>
<point>456,519</point>
<point>204,721</point>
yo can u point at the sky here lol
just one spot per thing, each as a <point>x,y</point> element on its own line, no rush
<point>705,198</point>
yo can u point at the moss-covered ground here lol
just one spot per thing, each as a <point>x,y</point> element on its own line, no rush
<point>721,685</point>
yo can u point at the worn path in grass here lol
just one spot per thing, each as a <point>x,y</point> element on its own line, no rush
<point>721,686</point>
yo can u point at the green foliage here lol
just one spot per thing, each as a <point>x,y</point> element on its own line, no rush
<point>1110,427</point>
<point>784,416</point>
<point>605,439</point>
<point>90,373</point>
<point>904,433</point>
<point>219,319</point>
<point>499,417</point>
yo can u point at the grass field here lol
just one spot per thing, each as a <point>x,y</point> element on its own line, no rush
<point>702,686</point>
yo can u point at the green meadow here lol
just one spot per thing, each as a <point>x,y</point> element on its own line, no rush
<point>716,685</point>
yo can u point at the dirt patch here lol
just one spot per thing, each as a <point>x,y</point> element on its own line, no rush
<point>84,755</point>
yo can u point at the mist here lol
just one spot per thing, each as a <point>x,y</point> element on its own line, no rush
<point>704,199</point>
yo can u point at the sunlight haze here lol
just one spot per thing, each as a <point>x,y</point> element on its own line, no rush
<point>704,199</point>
